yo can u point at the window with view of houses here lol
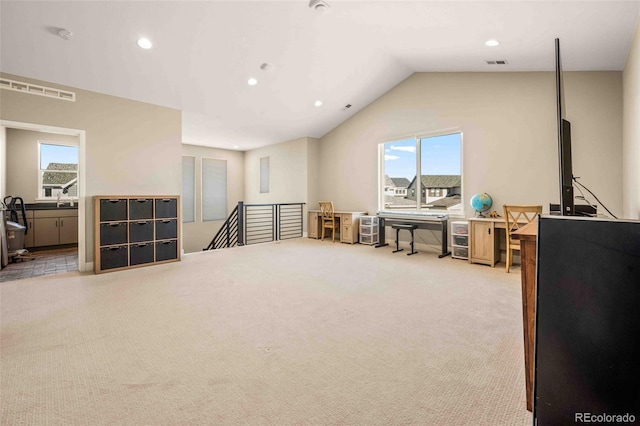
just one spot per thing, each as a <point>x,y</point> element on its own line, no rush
<point>438,186</point>
<point>58,174</point>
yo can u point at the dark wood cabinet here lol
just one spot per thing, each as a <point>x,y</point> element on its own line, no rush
<point>133,231</point>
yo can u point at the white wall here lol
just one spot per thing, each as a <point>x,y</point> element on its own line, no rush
<point>22,161</point>
<point>631,130</point>
<point>132,148</point>
<point>509,135</point>
<point>198,234</point>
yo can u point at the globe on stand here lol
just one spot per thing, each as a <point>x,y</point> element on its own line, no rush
<point>481,203</point>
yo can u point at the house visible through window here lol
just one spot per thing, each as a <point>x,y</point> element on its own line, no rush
<point>438,158</point>
<point>58,174</point>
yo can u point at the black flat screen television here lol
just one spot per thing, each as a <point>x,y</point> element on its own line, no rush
<point>587,329</point>
<point>564,143</point>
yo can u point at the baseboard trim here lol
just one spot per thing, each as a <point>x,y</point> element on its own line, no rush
<point>86,267</point>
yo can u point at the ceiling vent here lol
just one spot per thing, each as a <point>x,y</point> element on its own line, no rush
<point>498,62</point>
<point>346,107</point>
<point>34,89</point>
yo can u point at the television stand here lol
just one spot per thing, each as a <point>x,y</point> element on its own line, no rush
<point>579,209</point>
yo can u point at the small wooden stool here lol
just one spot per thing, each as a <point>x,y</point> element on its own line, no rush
<point>409,227</point>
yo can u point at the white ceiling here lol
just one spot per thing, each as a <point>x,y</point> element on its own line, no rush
<point>204,52</point>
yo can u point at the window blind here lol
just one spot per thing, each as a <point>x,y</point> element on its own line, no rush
<point>264,175</point>
<point>214,189</point>
<point>188,189</point>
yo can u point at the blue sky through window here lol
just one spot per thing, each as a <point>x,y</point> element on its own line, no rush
<point>440,156</point>
<point>400,159</point>
<point>57,154</point>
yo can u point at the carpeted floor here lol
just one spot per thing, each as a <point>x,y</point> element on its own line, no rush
<point>301,332</point>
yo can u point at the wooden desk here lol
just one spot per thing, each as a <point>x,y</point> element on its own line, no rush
<point>527,236</point>
<point>349,225</point>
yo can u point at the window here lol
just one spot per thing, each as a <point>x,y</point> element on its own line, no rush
<point>264,175</point>
<point>214,189</point>
<point>58,171</point>
<point>188,189</point>
<point>438,157</point>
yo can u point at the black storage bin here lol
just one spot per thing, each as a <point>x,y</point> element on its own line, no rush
<point>166,250</point>
<point>166,207</point>
<point>141,253</point>
<point>140,231</point>
<point>114,257</point>
<point>141,208</point>
<point>113,210</point>
<point>113,233</point>
<point>166,229</point>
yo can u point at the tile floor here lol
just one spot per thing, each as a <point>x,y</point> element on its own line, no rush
<point>46,262</point>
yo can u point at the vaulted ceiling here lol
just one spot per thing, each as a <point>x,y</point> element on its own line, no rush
<point>204,53</point>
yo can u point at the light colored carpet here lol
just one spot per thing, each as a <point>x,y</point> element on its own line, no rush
<point>301,332</point>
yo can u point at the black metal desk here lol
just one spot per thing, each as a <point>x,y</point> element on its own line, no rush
<point>438,222</point>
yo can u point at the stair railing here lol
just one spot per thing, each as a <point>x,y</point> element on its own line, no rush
<point>259,223</point>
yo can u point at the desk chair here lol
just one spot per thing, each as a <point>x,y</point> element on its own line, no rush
<point>328,218</point>
<point>515,217</point>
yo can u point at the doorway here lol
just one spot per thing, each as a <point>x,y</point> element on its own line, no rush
<point>61,257</point>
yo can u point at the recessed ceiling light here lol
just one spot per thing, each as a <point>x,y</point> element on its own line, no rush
<point>145,43</point>
<point>319,6</point>
<point>236,147</point>
<point>252,81</point>
<point>318,103</point>
<point>492,43</point>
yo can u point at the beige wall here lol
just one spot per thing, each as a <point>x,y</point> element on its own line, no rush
<point>314,178</point>
<point>22,161</point>
<point>631,130</point>
<point>132,148</point>
<point>509,135</point>
<point>198,234</point>
<point>288,175</point>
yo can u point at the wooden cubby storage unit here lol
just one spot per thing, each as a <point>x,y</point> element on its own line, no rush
<point>132,231</point>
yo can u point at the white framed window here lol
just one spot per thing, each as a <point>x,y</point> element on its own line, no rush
<point>214,189</point>
<point>438,184</point>
<point>188,189</point>
<point>264,175</point>
<point>57,171</point>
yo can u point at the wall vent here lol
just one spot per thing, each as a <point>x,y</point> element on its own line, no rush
<point>498,62</point>
<point>34,89</point>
